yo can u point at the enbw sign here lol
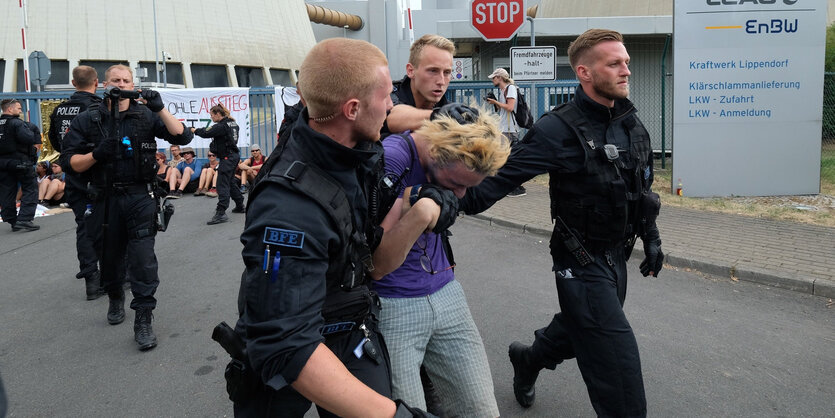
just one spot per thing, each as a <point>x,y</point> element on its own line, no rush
<point>497,20</point>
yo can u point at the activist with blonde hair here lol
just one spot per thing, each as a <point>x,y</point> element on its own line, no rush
<point>425,317</point>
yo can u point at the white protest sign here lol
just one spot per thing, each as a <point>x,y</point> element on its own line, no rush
<point>191,106</point>
<point>283,96</point>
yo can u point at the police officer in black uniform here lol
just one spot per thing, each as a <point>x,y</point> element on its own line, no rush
<point>120,154</point>
<point>423,88</point>
<point>17,166</point>
<point>85,80</point>
<point>224,134</point>
<point>307,316</point>
<point>599,158</point>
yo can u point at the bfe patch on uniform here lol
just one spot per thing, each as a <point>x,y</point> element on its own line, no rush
<point>284,238</point>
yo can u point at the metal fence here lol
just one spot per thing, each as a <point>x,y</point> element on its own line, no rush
<point>541,98</point>
<point>262,114</point>
<point>828,136</point>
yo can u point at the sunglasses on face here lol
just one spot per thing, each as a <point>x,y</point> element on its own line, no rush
<point>211,155</point>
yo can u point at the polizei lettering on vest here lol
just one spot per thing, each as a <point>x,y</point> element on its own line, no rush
<point>68,111</point>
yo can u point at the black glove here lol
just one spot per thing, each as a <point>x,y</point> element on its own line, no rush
<point>446,200</point>
<point>653,256</point>
<point>106,150</point>
<point>153,100</point>
<point>462,114</point>
<point>406,411</point>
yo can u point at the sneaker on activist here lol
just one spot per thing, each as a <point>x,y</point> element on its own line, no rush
<point>243,189</point>
<point>175,194</point>
<point>519,191</point>
<point>212,192</point>
<point>64,205</point>
<point>199,192</point>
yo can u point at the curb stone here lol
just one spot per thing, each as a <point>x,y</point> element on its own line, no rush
<point>812,286</point>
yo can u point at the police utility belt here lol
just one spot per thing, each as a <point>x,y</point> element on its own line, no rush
<point>348,310</point>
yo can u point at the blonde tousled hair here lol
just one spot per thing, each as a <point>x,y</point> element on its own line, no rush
<point>480,145</point>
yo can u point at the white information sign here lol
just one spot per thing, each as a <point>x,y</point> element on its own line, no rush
<point>191,106</point>
<point>748,96</point>
<point>533,63</point>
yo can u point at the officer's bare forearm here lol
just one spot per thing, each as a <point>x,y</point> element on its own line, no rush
<point>82,162</point>
<point>173,126</point>
<point>404,117</point>
<point>325,381</point>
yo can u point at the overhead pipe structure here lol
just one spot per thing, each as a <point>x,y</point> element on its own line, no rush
<point>325,16</point>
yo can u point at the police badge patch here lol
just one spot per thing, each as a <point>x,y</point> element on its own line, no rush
<point>284,238</point>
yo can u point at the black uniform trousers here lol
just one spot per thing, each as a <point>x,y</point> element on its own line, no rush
<point>225,178</point>
<point>593,328</point>
<point>87,259</point>
<point>129,239</point>
<point>9,180</point>
<point>288,403</point>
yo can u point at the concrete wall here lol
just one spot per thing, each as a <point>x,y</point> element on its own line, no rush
<point>259,33</point>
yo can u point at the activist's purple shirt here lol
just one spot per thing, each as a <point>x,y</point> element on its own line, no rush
<point>410,280</point>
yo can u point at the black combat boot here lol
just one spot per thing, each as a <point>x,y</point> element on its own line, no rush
<point>93,287</point>
<point>143,332</point>
<point>219,218</point>
<point>116,311</point>
<point>525,373</point>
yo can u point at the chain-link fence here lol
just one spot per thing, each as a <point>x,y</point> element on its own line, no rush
<point>828,136</point>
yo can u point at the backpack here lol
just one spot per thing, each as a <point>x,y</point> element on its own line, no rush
<point>523,113</point>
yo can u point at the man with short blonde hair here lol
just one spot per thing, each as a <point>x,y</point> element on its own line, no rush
<point>424,87</point>
<point>598,156</point>
<point>307,317</point>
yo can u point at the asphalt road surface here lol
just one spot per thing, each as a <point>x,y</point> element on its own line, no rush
<point>709,346</point>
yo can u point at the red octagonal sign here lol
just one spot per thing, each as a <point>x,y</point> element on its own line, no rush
<point>497,20</point>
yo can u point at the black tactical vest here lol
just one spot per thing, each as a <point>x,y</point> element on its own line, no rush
<point>600,201</point>
<point>226,145</point>
<point>63,115</point>
<point>7,142</point>
<point>349,262</point>
<point>136,165</point>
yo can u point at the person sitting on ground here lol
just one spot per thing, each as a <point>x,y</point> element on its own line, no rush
<point>189,175</point>
<point>176,158</point>
<point>166,174</point>
<point>251,166</point>
<point>43,171</point>
<point>208,177</point>
<point>55,188</point>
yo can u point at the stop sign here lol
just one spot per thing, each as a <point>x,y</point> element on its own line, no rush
<point>497,20</point>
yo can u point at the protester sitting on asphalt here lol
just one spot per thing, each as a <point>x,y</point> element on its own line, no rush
<point>166,174</point>
<point>176,158</point>
<point>43,172</point>
<point>54,186</point>
<point>251,166</point>
<point>424,315</point>
<point>208,178</point>
<point>189,175</point>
